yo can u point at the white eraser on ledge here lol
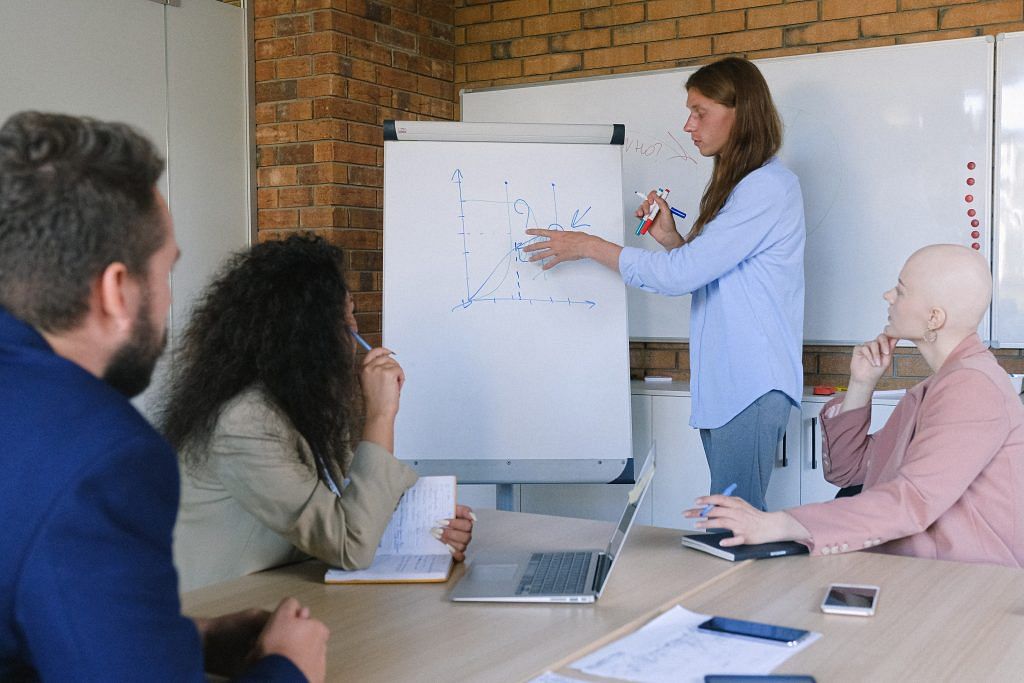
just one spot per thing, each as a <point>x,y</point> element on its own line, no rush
<point>657,378</point>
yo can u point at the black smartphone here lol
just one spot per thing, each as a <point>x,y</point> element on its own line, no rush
<point>754,629</point>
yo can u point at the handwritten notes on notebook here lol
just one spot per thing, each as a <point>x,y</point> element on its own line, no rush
<point>407,552</point>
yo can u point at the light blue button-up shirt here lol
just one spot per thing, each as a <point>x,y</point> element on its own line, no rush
<point>746,274</point>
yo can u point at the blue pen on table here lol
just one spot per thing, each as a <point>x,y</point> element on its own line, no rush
<point>727,492</point>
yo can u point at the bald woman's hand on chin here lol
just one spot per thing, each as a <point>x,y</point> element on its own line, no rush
<point>870,361</point>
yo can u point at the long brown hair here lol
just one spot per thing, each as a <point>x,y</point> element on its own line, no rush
<point>756,133</point>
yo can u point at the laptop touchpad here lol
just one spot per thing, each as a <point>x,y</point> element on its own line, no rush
<point>495,572</point>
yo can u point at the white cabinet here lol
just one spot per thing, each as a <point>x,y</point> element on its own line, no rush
<point>784,486</point>
<point>682,470</point>
<point>813,487</point>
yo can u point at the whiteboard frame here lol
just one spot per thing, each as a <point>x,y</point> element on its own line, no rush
<point>999,207</point>
<point>504,472</point>
<point>583,471</point>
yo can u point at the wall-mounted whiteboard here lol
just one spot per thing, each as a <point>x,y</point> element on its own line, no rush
<point>1008,261</point>
<point>881,139</point>
<point>504,361</point>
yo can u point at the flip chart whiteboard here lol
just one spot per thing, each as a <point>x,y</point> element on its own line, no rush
<point>881,139</point>
<point>505,362</point>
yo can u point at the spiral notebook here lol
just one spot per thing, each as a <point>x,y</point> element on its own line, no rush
<point>407,553</point>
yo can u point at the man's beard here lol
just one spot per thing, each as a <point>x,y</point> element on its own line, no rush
<point>131,367</point>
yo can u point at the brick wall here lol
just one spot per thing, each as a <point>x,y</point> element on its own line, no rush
<point>828,365</point>
<point>328,72</point>
<point>523,41</point>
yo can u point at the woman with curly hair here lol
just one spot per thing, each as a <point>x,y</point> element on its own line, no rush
<point>261,407</point>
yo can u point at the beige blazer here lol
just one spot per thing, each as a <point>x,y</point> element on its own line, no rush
<point>254,505</point>
<point>943,479</point>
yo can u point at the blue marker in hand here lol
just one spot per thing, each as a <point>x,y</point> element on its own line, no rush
<point>727,492</point>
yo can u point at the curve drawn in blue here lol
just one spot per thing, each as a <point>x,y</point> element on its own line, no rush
<point>506,265</point>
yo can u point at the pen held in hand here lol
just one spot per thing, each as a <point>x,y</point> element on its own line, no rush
<point>362,342</point>
<point>727,492</point>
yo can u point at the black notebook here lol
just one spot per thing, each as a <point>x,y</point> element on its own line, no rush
<point>710,543</point>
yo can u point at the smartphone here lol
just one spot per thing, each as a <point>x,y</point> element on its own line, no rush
<point>754,629</point>
<point>847,598</point>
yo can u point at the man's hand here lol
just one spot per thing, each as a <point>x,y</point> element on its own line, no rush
<point>291,632</point>
<point>229,640</point>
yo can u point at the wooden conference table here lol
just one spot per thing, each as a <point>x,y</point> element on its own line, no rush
<point>935,621</point>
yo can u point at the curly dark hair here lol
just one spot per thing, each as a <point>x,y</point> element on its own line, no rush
<point>76,195</point>
<point>273,318</point>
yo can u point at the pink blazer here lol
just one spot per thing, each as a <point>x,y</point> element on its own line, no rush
<point>943,479</point>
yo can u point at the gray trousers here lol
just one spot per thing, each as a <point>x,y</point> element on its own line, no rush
<point>743,450</point>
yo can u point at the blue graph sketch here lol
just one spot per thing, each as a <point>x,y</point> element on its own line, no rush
<point>497,269</point>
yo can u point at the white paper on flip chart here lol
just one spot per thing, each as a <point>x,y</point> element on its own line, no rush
<point>669,648</point>
<point>429,500</point>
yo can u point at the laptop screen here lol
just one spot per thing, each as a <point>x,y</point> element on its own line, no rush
<point>636,497</point>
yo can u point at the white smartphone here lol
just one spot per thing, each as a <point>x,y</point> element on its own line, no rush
<point>845,598</point>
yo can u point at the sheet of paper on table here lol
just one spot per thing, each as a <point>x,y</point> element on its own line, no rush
<point>671,648</point>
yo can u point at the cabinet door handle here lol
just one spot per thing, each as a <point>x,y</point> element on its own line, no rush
<point>814,443</point>
<point>784,461</point>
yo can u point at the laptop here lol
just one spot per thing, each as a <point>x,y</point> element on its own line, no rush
<point>553,576</point>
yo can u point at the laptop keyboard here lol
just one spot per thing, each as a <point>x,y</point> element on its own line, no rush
<point>555,574</point>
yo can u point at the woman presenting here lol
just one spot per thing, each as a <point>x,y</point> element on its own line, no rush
<point>743,264</point>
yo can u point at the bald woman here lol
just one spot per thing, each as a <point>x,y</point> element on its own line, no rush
<point>944,478</point>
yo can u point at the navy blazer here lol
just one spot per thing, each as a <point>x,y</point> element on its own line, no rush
<point>88,498</point>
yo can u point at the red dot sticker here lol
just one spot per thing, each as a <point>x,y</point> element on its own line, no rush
<point>975,234</point>
<point>970,181</point>
<point>975,246</point>
<point>972,212</point>
<point>969,198</point>
<point>975,223</point>
<point>970,165</point>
